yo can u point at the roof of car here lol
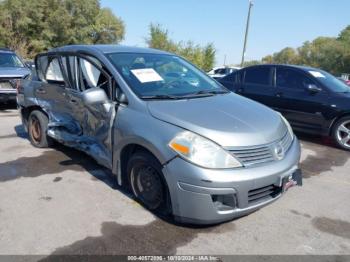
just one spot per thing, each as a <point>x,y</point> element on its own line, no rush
<point>107,49</point>
<point>5,50</point>
<point>286,65</point>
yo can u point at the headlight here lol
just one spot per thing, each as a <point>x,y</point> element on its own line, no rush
<point>202,151</point>
<point>290,130</point>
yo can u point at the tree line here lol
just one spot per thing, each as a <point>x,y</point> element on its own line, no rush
<point>328,53</point>
<point>202,56</point>
<point>33,26</point>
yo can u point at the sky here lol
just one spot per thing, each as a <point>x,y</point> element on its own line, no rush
<point>274,24</point>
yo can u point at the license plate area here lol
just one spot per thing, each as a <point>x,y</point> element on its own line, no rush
<point>295,179</point>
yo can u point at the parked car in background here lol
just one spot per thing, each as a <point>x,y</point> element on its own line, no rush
<point>311,99</point>
<point>345,81</point>
<point>220,72</point>
<point>11,68</point>
<point>184,144</point>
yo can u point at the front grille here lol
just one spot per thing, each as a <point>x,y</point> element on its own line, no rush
<point>286,142</point>
<point>254,156</point>
<point>263,194</point>
<point>262,154</point>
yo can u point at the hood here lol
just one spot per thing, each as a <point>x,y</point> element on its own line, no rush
<point>19,72</point>
<point>229,120</point>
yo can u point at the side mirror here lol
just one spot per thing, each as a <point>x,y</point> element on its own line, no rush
<point>313,89</point>
<point>121,97</point>
<point>94,96</point>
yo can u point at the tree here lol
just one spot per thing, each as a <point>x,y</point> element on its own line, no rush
<point>208,57</point>
<point>108,28</point>
<point>287,55</point>
<point>32,26</point>
<point>329,53</point>
<point>344,35</point>
<point>251,63</point>
<point>203,57</point>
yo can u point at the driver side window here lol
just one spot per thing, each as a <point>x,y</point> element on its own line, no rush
<point>287,78</point>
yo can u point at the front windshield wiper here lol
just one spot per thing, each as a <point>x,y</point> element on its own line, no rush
<point>160,97</point>
<point>201,93</point>
<point>206,93</point>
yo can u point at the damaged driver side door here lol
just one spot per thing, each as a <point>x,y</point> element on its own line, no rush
<point>88,107</point>
<point>90,99</point>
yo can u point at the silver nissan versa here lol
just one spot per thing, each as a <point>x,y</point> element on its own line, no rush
<point>182,143</point>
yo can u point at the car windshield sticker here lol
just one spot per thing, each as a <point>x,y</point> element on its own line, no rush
<point>317,74</point>
<point>147,75</point>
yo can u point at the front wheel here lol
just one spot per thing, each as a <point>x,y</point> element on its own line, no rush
<point>147,182</point>
<point>341,133</point>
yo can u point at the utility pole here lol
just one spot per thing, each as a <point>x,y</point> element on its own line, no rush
<point>246,32</point>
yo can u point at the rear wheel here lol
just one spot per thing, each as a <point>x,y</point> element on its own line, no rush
<point>37,129</point>
<point>147,182</point>
<point>341,133</point>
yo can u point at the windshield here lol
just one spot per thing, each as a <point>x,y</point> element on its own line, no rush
<point>10,60</point>
<point>330,81</point>
<point>163,76</point>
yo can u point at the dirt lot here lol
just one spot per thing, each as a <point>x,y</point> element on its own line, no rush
<point>59,201</point>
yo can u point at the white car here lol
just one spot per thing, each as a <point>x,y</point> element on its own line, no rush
<point>220,72</point>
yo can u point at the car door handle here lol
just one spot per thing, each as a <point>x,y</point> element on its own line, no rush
<point>239,90</point>
<point>40,91</point>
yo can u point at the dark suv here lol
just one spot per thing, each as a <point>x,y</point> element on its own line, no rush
<point>11,68</point>
<point>312,100</point>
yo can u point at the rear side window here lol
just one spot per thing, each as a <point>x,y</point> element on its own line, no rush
<point>220,71</point>
<point>53,72</point>
<point>288,78</point>
<point>257,76</point>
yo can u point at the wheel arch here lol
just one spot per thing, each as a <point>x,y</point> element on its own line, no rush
<point>126,152</point>
<point>26,111</point>
<point>334,122</point>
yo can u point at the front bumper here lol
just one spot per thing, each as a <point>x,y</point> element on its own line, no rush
<point>8,95</point>
<point>206,196</point>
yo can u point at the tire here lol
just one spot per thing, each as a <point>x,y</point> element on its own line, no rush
<point>341,133</point>
<point>148,184</point>
<point>37,130</point>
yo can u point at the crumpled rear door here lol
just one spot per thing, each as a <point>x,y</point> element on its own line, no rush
<point>51,95</point>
